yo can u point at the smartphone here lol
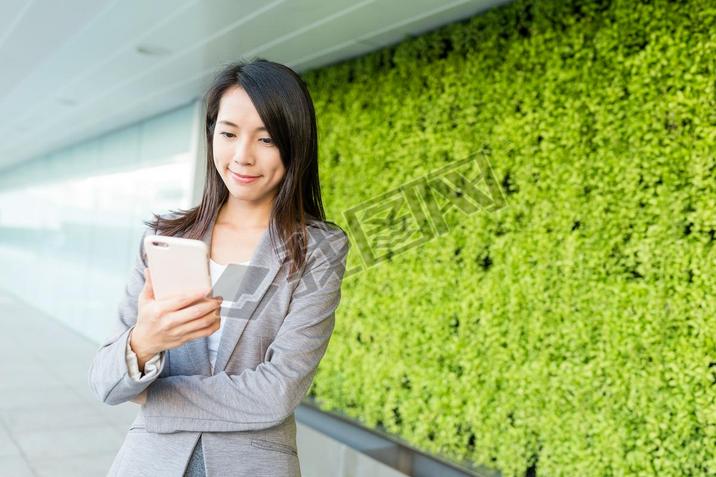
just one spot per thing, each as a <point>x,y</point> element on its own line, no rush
<point>177,265</point>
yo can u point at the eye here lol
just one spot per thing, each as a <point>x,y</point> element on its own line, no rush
<point>227,134</point>
<point>269,139</point>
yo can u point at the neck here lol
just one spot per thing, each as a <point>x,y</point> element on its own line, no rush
<point>245,215</point>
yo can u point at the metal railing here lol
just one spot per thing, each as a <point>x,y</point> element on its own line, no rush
<point>383,447</point>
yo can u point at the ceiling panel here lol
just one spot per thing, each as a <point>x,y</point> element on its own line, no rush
<point>71,70</point>
<point>11,11</point>
<point>84,54</point>
<point>40,26</point>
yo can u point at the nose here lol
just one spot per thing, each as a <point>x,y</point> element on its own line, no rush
<point>242,152</point>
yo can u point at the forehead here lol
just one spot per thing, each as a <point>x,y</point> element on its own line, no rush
<point>235,105</point>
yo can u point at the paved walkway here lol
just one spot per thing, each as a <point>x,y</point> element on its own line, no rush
<point>50,424</point>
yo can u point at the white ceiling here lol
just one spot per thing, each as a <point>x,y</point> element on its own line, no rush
<point>72,69</point>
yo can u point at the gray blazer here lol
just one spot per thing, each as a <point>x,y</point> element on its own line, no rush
<point>275,335</point>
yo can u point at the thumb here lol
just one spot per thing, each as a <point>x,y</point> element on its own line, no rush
<point>148,290</point>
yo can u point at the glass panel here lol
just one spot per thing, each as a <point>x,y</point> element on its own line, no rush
<point>70,221</point>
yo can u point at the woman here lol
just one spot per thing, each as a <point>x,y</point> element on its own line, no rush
<point>218,391</point>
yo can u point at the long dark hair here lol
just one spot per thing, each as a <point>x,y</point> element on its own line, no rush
<point>284,104</point>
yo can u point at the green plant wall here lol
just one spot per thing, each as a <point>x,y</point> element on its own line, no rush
<point>571,332</point>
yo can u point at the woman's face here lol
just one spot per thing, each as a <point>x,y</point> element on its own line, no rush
<point>242,146</point>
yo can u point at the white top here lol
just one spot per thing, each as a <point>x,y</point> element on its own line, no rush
<point>215,270</point>
<point>151,367</point>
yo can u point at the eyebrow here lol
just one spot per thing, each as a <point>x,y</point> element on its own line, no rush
<point>229,123</point>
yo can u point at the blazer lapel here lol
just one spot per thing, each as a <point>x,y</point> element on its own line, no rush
<point>255,282</point>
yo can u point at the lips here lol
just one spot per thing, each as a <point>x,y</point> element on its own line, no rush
<point>243,176</point>
<point>242,179</point>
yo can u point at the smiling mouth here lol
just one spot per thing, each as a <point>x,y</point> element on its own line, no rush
<point>242,176</point>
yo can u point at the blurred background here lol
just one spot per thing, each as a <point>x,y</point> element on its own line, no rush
<point>528,186</point>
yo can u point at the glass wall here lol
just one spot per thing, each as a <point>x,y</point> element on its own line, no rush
<point>71,221</point>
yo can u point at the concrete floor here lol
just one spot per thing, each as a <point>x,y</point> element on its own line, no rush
<point>51,424</point>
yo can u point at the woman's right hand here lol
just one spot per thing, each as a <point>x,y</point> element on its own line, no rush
<point>169,323</point>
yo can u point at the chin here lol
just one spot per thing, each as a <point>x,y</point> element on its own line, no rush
<point>240,194</point>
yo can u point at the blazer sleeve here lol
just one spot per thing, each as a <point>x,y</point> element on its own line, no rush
<point>265,396</point>
<point>109,376</point>
<point>151,367</point>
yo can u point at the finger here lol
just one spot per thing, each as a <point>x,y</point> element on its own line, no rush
<point>144,293</point>
<point>148,289</point>
<point>199,327</point>
<point>195,311</point>
<point>179,301</point>
<point>200,334</point>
